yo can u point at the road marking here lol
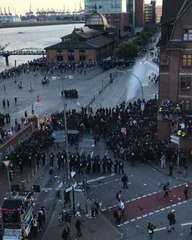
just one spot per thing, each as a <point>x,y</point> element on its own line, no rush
<point>160,229</point>
<point>100,178</point>
<point>46,189</point>
<point>96,179</point>
<point>186,224</point>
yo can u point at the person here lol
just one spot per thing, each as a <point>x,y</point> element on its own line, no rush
<point>172,220</point>
<point>170,168</point>
<point>34,226</point>
<point>43,214</point>
<point>93,209</point>
<point>119,195</point>
<point>78,227</point>
<point>121,206</point>
<point>97,206</point>
<point>124,179</point>
<point>166,190</point>
<point>51,172</point>
<point>150,230</point>
<point>67,198</point>
<point>117,214</point>
<point>15,100</point>
<point>40,220</point>
<point>186,192</point>
<point>32,109</point>
<point>162,159</point>
<point>66,235</point>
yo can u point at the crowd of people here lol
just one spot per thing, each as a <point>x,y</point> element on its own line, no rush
<point>44,67</point>
<point>71,93</point>
<point>127,130</point>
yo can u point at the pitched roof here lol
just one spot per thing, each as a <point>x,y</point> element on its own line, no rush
<point>184,8</point>
<point>99,41</point>
<point>93,43</point>
<point>171,12</point>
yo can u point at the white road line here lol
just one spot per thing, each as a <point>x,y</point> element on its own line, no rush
<point>186,224</point>
<point>160,229</point>
<point>96,179</point>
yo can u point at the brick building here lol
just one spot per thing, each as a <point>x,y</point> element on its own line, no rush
<point>93,42</point>
<point>175,86</point>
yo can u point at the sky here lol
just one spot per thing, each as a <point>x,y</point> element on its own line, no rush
<point>23,6</point>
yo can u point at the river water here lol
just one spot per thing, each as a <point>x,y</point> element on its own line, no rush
<point>31,37</point>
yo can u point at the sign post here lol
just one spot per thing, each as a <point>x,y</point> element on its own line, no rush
<point>176,140</point>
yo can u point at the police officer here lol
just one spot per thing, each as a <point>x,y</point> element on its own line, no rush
<point>34,225</point>
<point>172,220</point>
<point>59,160</point>
<point>104,166</point>
<point>150,230</point>
<point>121,167</point>
<point>88,165</point>
<point>109,165</point>
<point>186,192</point>
<point>124,179</point>
<point>43,158</point>
<point>51,159</point>
<point>115,166</point>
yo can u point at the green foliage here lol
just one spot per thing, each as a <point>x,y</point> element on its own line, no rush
<point>143,38</point>
<point>126,51</point>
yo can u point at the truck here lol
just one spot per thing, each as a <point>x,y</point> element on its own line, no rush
<point>17,215</point>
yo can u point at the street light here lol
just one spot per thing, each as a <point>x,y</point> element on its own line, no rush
<point>66,134</point>
<point>7,162</point>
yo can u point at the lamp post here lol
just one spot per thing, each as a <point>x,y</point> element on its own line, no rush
<point>66,137</point>
<point>7,162</point>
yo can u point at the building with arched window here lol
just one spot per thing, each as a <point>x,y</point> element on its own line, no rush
<point>93,42</point>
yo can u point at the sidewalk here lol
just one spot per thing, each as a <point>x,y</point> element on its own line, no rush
<point>92,228</point>
<point>178,172</point>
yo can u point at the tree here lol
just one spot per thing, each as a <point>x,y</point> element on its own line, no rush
<point>143,38</point>
<point>126,51</point>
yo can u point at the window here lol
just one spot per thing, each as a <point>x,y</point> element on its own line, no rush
<point>185,84</point>
<point>70,53</point>
<point>82,55</point>
<point>185,103</point>
<point>187,36</point>
<point>71,58</point>
<point>187,60</point>
<point>59,55</point>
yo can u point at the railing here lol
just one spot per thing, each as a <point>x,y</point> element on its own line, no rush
<point>24,51</point>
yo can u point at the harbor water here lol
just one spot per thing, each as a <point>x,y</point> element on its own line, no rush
<point>31,37</point>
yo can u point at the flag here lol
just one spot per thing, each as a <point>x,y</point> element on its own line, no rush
<point>124,130</point>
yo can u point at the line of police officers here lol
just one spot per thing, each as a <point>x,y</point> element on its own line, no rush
<point>83,164</point>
